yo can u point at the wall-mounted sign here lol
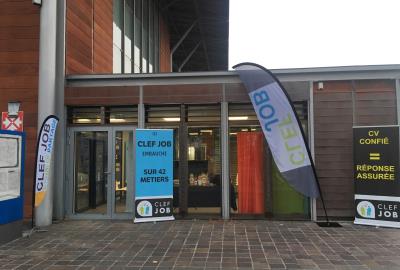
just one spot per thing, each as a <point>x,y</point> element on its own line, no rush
<point>376,176</point>
<point>12,123</point>
<point>153,175</point>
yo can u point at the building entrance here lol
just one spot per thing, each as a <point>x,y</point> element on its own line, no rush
<point>101,176</point>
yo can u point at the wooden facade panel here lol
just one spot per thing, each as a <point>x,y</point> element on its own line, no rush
<point>12,69</point>
<point>79,45</point>
<point>377,107</point>
<point>236,92</point>
<point>89,36</point>
<point>19,81</point>
<point>182,93</point>
<point>333,86</point>
<point>19,58</point>
<point>333,154</point>
<point>103,36</point>
<point>377,86</point>
<point>19,45</point>
<point>23,32</point>
<point>16,20</point>
<point>27,57</point>
<point>17,8</point>
<point>101,96</point>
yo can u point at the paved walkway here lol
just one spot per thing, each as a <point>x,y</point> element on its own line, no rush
<point>204,245</point>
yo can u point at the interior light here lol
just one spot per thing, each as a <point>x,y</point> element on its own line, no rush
<point>117,120</point>
<point>193,133</point>
<point>206,131</point>
<point>253,129</point>
<point>172,119</point>
<point>236,118</point>
<point>83,120</point>
<point>233,133</point>
<point>244,129</point>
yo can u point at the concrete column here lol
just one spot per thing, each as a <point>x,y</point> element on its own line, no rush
<point>47,94</point>
<point>59,149</point>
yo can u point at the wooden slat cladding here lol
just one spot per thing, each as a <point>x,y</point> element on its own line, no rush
<point>79,47</point>
<point>188,93</point>
<point>369,102</point>
<point>19,70</point>
<point>96,96</point>
<point>375,103</point>
<point>333,117</point>
<point>103,36</point>
<point>165,50</point>
<point>89,36</point>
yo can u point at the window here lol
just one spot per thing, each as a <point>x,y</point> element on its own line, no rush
<point>135,36</point>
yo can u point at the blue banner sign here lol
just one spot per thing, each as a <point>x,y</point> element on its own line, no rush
<point>153,175</point>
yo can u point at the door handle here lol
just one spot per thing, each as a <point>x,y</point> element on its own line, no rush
<point>107,172</point>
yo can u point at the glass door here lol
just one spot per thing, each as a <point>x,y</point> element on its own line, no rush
<point>123,173</point>
<point>102,172</point>
<point>91,171</point>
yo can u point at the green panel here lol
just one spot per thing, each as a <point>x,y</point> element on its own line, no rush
<point>286,200</point>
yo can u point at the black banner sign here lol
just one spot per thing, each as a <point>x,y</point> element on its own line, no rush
<point>376,175</point>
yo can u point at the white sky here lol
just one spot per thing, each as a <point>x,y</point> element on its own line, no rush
<point>314,33</point>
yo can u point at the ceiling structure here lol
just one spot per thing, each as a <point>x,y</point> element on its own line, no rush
<point>199,33</point>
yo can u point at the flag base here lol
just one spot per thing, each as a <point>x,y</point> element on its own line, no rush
<point>328,224</point>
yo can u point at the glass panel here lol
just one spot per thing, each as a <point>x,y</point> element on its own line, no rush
<point>273,197</point>
<point>118,22</point>
<point>247,161</point>
<point>163,115</point>
<point>156,39</point>
<point>138,36</point>
<point>124,171</point>
<point>128,35</point>
<point>204,113</point>
<point>123,115</point>
<point>91,172</point>
<point>84,115</point>
<point>151,36</point>
<point>204,168</point>
<point>145,36</point>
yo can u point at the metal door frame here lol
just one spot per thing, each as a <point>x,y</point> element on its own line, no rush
<point>70,173</point>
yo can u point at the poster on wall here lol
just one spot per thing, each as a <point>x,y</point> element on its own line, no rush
<point>376,176</point>
<point>153,175</point>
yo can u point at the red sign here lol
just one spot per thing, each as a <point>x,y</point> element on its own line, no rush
<point>13,123</point>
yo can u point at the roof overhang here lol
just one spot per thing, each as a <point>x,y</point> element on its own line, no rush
<point>284,75</point>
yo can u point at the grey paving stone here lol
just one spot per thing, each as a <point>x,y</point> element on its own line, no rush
<point>204,244</point>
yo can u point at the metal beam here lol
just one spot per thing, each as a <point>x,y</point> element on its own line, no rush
<point>196,5</point>
<point>188,57</point>
<point>225,181</point>
<point>313,205</point>
<point>181,40</point>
